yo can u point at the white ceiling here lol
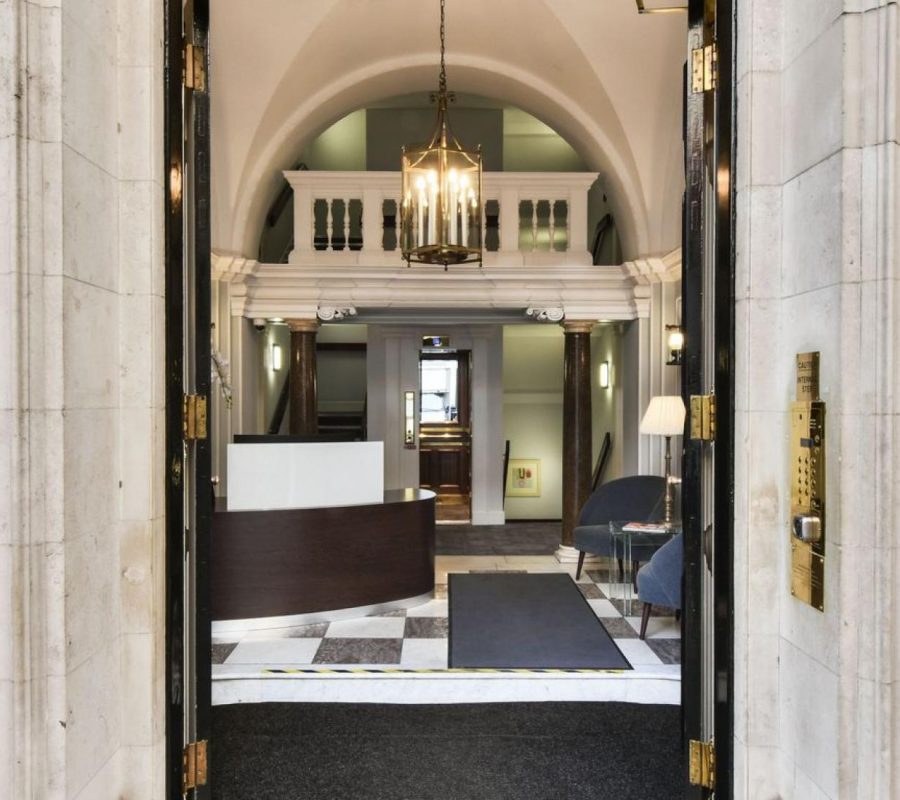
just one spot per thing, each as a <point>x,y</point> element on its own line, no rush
<point>609,81</point>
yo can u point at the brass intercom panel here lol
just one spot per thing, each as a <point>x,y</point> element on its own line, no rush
<point>807,469</point>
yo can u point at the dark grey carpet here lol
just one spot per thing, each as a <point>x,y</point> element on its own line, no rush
<point>534,751</point>
<point>512,539</point>
<point>526,621</point>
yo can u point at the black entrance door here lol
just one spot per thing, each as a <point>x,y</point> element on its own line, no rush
<point>708,386</point>
<point>188,487</point>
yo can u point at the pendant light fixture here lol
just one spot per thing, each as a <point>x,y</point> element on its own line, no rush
<point>440,215</point>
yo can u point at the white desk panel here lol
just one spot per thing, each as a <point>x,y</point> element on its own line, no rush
<point>304,475</point>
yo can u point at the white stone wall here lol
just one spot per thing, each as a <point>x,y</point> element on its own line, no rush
<point>817,269</point>
<point>81,399</point>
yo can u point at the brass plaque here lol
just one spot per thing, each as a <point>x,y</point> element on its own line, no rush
<point>806,527</point>
<point>807,376</point>
<point>807,575</point>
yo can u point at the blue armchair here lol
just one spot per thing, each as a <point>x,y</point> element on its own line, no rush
<point>659,580</point>
<point>637,498</point>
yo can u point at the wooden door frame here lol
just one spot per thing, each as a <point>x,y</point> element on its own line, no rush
<point>463,425</point>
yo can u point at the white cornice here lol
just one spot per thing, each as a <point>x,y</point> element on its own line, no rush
<point>391,259</point>
<point>298,291</point>
<point>537,183</point>
<point>231,268</point>
<point>655,269</point>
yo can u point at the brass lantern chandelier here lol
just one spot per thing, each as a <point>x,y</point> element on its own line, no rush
<point>440,215</point>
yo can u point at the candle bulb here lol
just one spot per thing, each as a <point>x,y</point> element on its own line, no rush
<point>452,206</point>
<point>432,207</point>
<point>464,211</point>
<point>420,209</point>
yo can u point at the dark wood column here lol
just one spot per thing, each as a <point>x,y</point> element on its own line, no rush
<point>304,410</point>
<point>577,440</point>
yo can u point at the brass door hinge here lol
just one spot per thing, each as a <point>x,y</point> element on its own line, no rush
<point>704,68</point>
<point>703,764</point>
<point>193,410</point>
<point>194,67</point>
<point>193,766</point>
<point>703,417</point>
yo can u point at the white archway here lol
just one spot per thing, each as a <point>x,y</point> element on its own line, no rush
<point>261,178</point>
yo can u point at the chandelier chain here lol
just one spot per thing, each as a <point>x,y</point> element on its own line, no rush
<point>443,79</point>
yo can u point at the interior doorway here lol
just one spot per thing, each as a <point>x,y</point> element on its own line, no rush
<point>445,432</point>
<point>445,465</point>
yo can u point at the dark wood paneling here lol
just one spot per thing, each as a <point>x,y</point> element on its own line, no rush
<point>445,468</point>
<point>299,561</point>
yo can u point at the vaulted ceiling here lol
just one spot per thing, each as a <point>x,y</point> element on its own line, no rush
<point>609,81</point>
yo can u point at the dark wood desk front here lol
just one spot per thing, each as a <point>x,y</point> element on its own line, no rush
<point>309,560</point>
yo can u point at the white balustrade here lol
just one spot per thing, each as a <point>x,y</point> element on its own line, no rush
<point>551,225</point>
<point>565,192</point>
<point>329,225</point>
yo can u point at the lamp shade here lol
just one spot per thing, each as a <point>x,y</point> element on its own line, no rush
<point>664,416</point>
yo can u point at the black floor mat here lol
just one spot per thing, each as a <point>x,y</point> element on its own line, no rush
<point>491,751</point>
<point>526,621</point>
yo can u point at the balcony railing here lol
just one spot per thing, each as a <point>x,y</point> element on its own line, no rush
<point>352,217</point>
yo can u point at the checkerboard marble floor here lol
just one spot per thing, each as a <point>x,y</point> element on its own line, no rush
<point>416,638</point>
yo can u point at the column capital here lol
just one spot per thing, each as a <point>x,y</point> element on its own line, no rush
<point>303,325</point>
<point>328,313</point>
<point>546,314</point>
<point>578,325</point>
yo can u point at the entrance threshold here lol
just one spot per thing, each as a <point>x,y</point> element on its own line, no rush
<point>647,684</point>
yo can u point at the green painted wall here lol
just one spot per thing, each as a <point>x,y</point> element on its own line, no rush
<point>532,412</point>
<point>533,407</point>
<point>340,147</point>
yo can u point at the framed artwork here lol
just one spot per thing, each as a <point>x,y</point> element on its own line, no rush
<point>523,478</point>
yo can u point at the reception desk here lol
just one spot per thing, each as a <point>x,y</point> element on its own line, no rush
<point>284,567</point>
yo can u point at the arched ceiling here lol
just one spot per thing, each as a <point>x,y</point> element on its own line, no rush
<point>606,79</point>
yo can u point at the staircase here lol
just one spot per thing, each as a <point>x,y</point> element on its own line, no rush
<point>349,426</point>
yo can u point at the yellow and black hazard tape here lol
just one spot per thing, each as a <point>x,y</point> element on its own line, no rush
<point>450,670</point>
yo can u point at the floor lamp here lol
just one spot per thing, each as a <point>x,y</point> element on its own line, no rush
<point>665,417</point>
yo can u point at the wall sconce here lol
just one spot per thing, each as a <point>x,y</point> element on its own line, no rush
<point>409,420</point>
<point>675,343</point>
<point>604,374</point>
<point>277,357</point>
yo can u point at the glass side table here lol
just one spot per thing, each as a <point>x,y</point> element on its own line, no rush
<point>627,535</point>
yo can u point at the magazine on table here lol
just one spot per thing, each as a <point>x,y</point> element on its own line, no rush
<point>649,527</point>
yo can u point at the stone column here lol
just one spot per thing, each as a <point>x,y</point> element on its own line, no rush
<point>577,439</point>
<point>304,411</point>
